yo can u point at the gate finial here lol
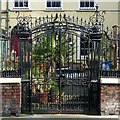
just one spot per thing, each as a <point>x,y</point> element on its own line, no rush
<point>65,17</point>
<point>97,7</point>
<point>96,25</point>
<point>56,16</point>
<point>97,18</point>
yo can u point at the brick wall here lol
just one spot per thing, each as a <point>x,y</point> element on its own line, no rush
<point>110,99</point>
<point>11,98</point>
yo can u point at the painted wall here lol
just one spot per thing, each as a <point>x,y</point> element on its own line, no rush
<point>70,7</point>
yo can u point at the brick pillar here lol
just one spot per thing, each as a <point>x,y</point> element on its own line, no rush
<point>110,96</point>
<point>11,96</point>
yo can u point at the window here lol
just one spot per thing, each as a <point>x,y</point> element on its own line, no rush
<point>82,49</point>
<point>21,4</point>
<point>55,4</point>
<point>87,4</point>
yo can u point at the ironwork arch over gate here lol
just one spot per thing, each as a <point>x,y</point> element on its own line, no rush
<point>62,62</point>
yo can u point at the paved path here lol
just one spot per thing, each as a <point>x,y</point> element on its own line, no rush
<point>61,117</point>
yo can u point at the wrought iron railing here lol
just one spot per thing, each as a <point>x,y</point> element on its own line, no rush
<point>110,74</point>
<point>10,73</point>
<point>17,73</point>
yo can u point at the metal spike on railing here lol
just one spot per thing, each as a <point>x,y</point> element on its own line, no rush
<point>81,21</point>
<point>39,20</point>
<point>111,34</point>
<point>31,24</point>
<point>56,16</point>
<point>107,29</point>
<point>77,19</point>
<point>73,18</point>
<point>51,17</point>
<point>35,21</point>
<point>43,19</point>
<point>64,16</point>
<point>60,16</point>
<point>47,18</point>
<point>85,22</point>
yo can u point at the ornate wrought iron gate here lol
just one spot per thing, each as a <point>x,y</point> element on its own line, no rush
<point>63,57</point>
<point>60,58</point>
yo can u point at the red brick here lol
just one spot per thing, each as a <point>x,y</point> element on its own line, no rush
<point>17,100</point>
<point>18,85</point>
<point>15,85</point>
<point>3,91</point>
<point>7,94</point>
<point>16,94</point>
<point>16,88</point>
<point>10,91</point>
<point>8,97</point>
<point>17,91</point>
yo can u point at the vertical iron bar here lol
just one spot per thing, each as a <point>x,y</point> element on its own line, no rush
<point>98,77</point>
<point>49,49</point>
<point>111,46</point>
<point>76,50</point>
<point>60,47</point>
<point>72,72</point>
<point>29,71</point>
<point>88,72</point>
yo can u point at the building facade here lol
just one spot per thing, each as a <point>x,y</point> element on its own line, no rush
<point>79,8</point>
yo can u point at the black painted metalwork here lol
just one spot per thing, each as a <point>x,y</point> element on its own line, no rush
<point>60,60</point>
<point>63,58</point>
<point>26,97</point>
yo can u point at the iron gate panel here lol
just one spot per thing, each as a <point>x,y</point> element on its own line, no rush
<point>62,55</point>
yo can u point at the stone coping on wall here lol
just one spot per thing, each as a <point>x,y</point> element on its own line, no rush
<point>10,80</point>
<point>110,80</point>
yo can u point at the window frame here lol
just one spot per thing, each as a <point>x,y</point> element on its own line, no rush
<point>54,8</point>
<point>22,7</point>
<point>80,50</point>
<point>87,8</point>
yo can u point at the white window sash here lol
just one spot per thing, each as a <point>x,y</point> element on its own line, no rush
<point>87,8</point>
<point>51,4</point>
<point>20,7</point>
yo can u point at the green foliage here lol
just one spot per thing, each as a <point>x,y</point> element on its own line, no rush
<point>50,47</point>
<point>106,48</point>
<point>49,51</point>
<point>54,86</point>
